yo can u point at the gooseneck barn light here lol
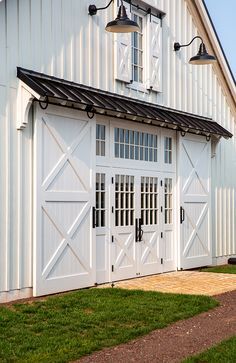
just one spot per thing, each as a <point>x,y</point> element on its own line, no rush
<point>122,24</point>
<point>202,56</point>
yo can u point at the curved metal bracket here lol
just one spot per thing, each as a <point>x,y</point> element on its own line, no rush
<point>93,9</point>
<point>177,46</point>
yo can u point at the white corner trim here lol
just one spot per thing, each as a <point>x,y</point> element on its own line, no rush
<point>25,97</point>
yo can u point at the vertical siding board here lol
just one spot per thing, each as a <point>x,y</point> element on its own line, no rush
<point>36,34</point>
<point>48,60</point>
<point>24,33</point>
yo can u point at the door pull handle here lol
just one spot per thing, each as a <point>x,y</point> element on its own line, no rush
<point>140,230</point>
<point>136,230</point>
<point>94,217</point>
<point>182,215</point>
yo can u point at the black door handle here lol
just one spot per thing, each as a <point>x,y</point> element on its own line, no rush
<point>94,217</point>
<point>182,215</point>
<point>140,229</point>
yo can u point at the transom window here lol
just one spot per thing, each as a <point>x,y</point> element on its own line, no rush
<point>149,200</point>
<point>168,150</point>
<point>100,200</point>
<point>124,200</point>
<point>168,203</point>
<point>100,139</point>
<point>135,145</point>
<point>137,50</point>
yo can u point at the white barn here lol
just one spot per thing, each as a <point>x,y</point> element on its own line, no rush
<point>117,156</point>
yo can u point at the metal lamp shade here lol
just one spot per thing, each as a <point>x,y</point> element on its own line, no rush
<point>122,24</point>
<point>202,57</point>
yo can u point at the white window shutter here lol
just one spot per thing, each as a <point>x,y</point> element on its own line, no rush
<point>123,54</point>
<point>154,54</point>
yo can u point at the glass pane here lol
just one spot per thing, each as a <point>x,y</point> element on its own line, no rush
<point>135,73</point>
<point>97,200</point>
<point>102,148</point>
<point>135,51</point>
<point>122,151</point>
<point>116,135</point>
<point>116,150</point>
<point>126,136</point>
<point>140,75</point>
<point>135,39</point>
<point>136,153</point>
<point>97,131</point>
<point>97,181</point>
<point>131,137</point>
<point>102,181</point>
<point>97,148</point>
<point>136,138</point>
<point>127,151</point>
<point>102,218</point>
<point>102,132</point>
<point>103,200</point>
<point>150,154</point>
<point>131,152</point>
<point>121,135</point>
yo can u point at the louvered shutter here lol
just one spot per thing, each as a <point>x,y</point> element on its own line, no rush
<point>123,53</point>
<point>154,54</point>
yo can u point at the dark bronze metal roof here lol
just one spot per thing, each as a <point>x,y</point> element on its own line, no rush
<point>56,91</point>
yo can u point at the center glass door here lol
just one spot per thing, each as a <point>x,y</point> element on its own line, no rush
<point>136,224</point>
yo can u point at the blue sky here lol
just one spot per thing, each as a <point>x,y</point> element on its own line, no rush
<point>223,16</point>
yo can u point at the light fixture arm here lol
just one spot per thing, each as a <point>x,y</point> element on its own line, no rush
<point>177,46</point>
<point>93,9</point>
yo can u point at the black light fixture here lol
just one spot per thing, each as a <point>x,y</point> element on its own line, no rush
<point>122,24</point>
<point>202,56</point>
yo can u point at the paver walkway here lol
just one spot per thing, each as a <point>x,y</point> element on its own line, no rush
<point>182,282</point>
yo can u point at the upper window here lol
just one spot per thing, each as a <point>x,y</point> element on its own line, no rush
<point>138,56</point>
<point>137,51</point>
<point>168,150</point>
<point>135,145</point>
<point>100,140</point>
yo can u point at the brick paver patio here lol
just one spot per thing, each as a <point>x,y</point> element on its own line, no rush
<point>183,282</point>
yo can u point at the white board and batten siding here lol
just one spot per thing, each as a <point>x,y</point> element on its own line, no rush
<point>52,40</point>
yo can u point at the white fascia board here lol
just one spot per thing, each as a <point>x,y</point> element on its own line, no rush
<point>217,48</point>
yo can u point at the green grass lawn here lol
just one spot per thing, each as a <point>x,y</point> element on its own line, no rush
<point>225,352</point>
<point>226,269</point>
<point>64,328</point>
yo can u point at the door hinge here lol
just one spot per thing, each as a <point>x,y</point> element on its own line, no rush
<point>161,234</point>
<point>112,238</point>
<point>112,209</point>
<point>161,209</point>
<point>112,180</point>
<point>161,261</point>
<point>112,268</point>
<point>161,183</point>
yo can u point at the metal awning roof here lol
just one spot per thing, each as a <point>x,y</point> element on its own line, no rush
<point>58,91</point>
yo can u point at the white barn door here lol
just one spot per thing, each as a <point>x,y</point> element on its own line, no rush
<point>194,176</point>
<point>64,165</point>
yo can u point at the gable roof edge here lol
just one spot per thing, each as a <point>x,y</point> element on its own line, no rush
<point>222,64</point>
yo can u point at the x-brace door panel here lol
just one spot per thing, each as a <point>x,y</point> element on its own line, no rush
<point>195,244</point>
<point>64,195</point>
